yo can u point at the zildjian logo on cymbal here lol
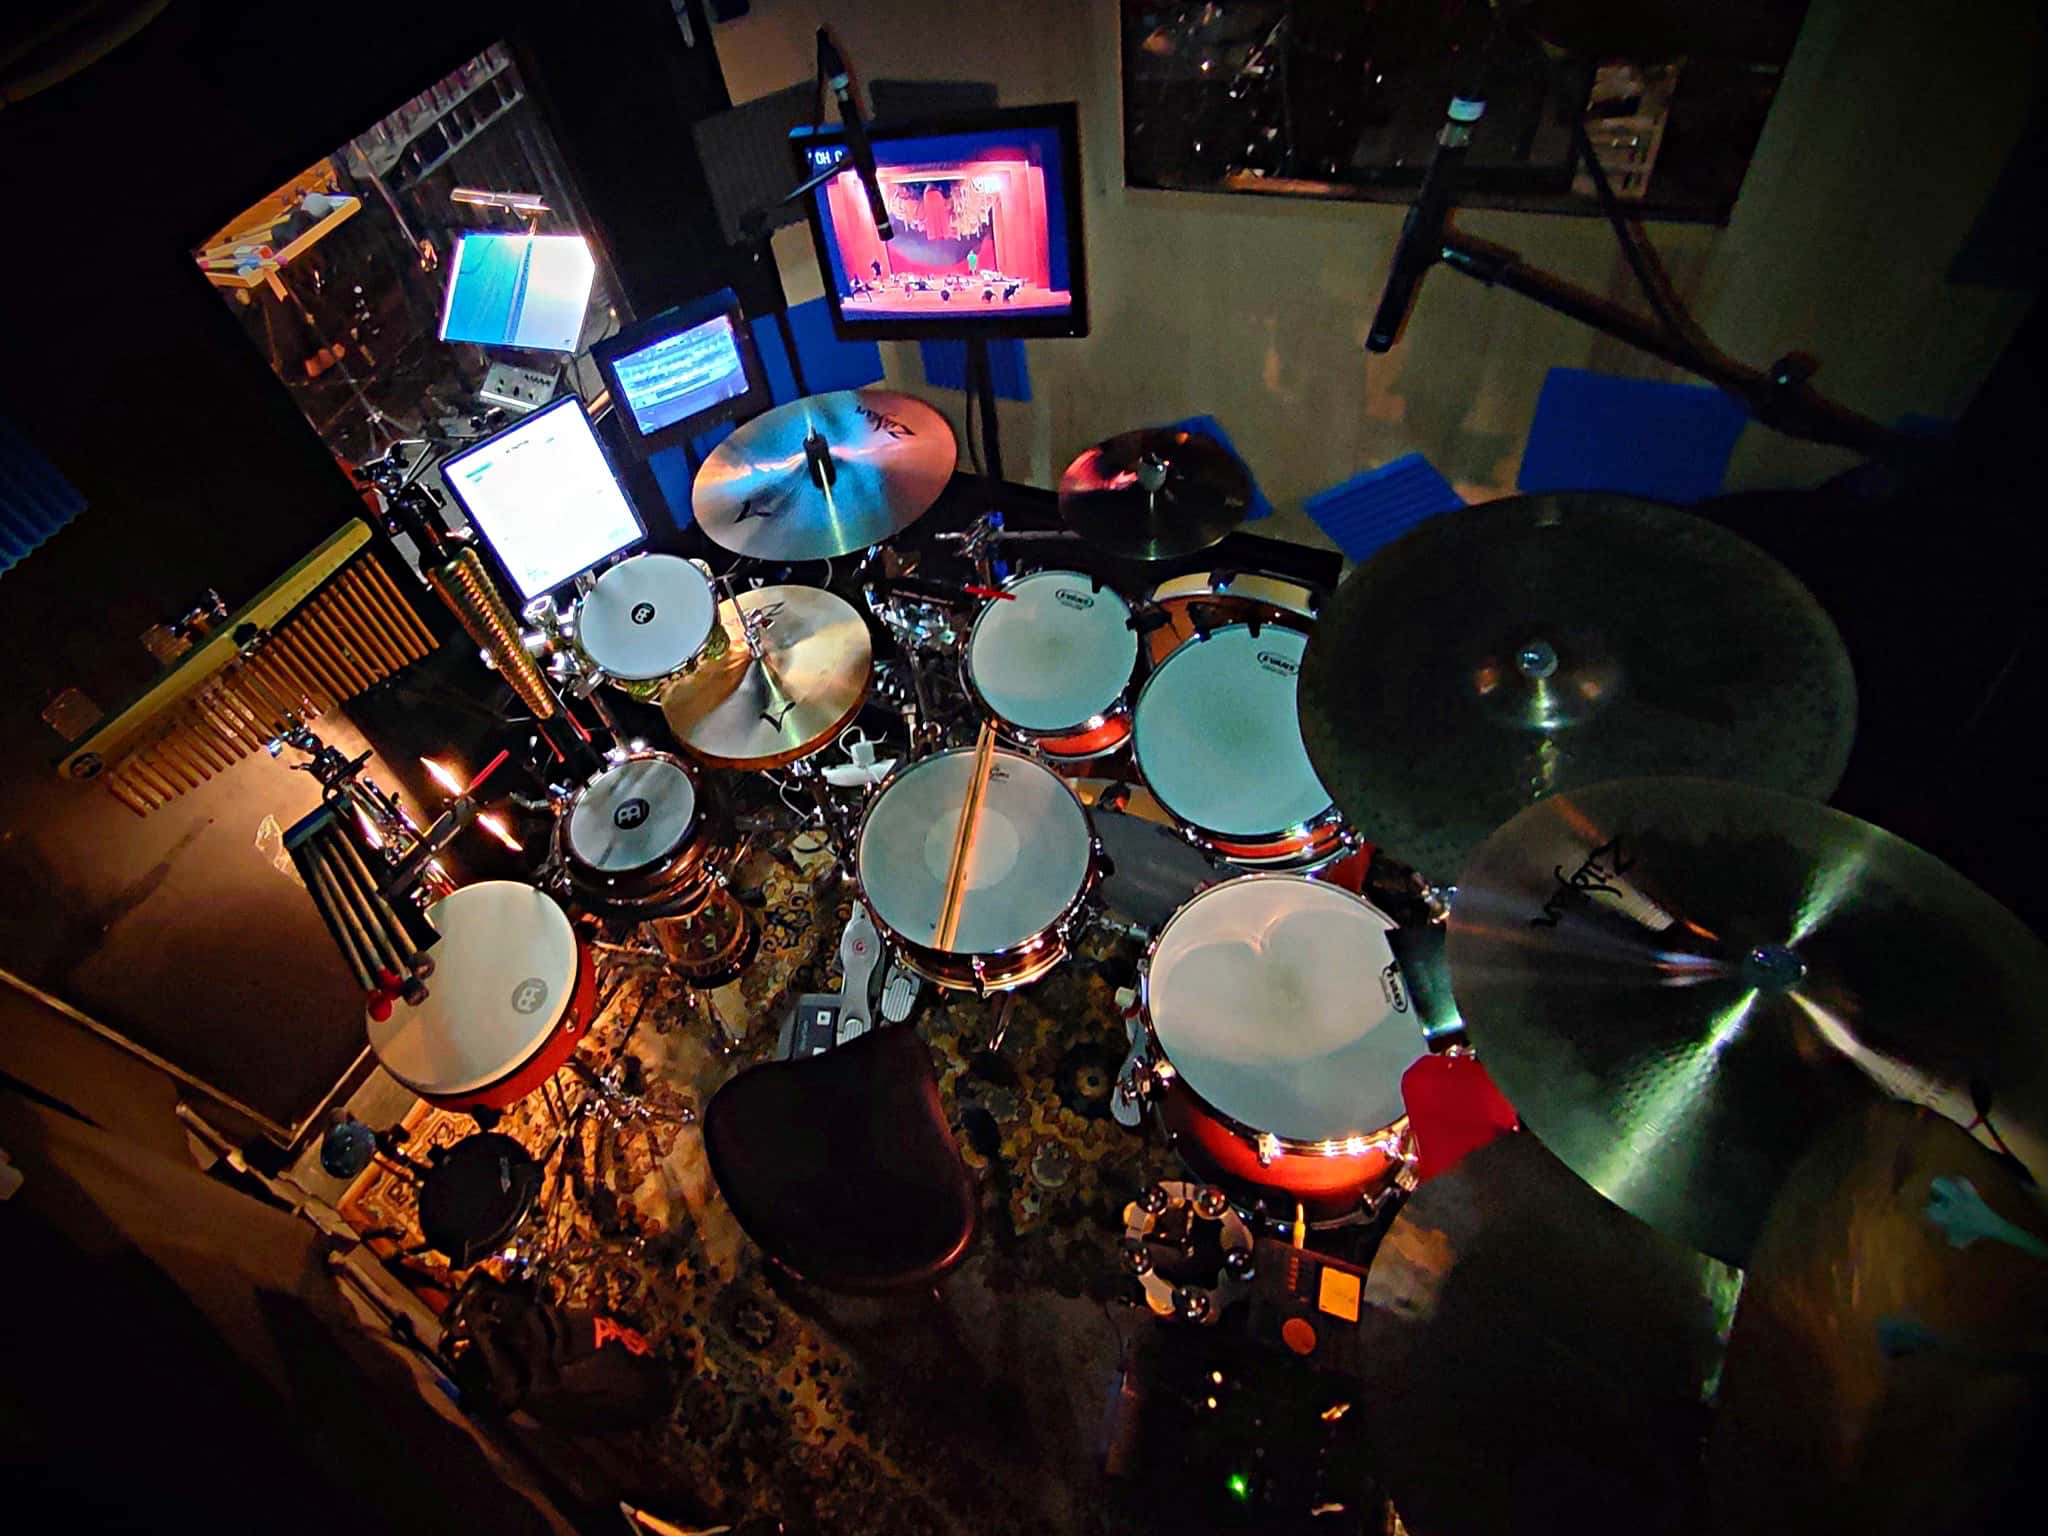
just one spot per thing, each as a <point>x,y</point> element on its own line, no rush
<point>883,422</point>
<point>775,717</point>
<point>1582,883</point>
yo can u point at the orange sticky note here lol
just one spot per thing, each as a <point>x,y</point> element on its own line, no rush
<point>1338,1294</point>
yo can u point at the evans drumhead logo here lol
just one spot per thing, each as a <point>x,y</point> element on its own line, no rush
<point>529,995</point>
<point>1070,599</point>
<point>1390,984</point>
<point>643,613</point>
<point>1280,666</point>
<point>630,814</point>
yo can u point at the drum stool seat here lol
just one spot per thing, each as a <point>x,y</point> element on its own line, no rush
<point>842,1167</point>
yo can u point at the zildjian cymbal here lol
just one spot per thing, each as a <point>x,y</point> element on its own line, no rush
<point>1678,983</point>
<point>743,710</point>
<point>824,476</point>
<point>1155,494</point>
<point>1503,652</point>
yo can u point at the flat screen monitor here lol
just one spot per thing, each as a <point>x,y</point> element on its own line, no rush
<point>683,372</point>
<point>987,214</point>
<point>519,291</point>
<point>544,497</point>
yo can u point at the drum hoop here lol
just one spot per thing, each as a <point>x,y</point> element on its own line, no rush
<point>690,830</point>
<point>1326,817</point>
<point>582,642</point>
<point>1118,707</point>
<point>1320,1146</point>
<point>1089,869</point>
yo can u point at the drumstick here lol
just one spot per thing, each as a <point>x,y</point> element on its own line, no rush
<point>963,836</point>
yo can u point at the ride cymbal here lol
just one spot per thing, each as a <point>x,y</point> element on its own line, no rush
<point>1155,494</point>
<point>1535,1358</point>
<point>1678,983</point>
<point>739,710</point>
<point>1502,652</point>
<point>824,476</point>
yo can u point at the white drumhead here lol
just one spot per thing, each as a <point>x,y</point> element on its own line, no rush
<point>1055,654</point>
<point>1029,861</point>
<point>504,971</point>
<point>633,815</point>
<point>1273,997</point>
<point>646,617</point>
<point>1217,739</point>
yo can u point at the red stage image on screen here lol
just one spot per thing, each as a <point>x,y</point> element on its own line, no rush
<point>970,236</point>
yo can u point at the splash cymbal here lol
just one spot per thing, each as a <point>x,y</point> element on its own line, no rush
<point>1155,494</point>
<point>1536,1359</point>
<point>739,710</point>
<point>824,476</point>
<point>1505,651</point>
<point>1888,1368</point>
<point>1679,982</point>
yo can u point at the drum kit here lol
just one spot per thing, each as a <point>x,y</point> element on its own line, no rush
<point>1597,731</point>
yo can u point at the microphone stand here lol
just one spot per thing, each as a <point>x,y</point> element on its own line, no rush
<point>1780,396</point>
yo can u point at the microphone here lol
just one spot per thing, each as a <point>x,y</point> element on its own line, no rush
<point>862,153</point>
<point>1422,232</point>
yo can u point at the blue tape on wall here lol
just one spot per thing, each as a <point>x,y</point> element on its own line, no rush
<point>1371,510</point>
<point>1598,432</point>
<point>945,366</point>
<point>35,500</point>
<point>1209,426</point>
<point>829,363</point>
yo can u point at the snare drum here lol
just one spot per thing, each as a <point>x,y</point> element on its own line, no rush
<point>1051,664</point>
<point>1216,740</point>
<point>1030,868</point>
<point>645,620</point>
<point>1277,1030</point>
<point>511,994</point>
<point>629,841</point>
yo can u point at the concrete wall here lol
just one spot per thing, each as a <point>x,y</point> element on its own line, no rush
<point>1892,123</point>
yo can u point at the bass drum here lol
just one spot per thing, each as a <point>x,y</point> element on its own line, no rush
<point>1277,1029</point>
<point>1031,868</point>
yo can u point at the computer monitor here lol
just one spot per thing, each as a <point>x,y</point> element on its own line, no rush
<point>544,497</point>
<point>683,372</point>
<point>519,291</point>
<point>987,213</point>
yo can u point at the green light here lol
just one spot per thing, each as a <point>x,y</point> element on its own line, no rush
<point>1240,1486</point>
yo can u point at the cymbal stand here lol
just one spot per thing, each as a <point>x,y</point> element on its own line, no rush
<point>978,538</point>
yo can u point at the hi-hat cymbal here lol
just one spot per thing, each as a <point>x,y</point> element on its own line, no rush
<point>1503,652</point>
<point>1679,982</point>
<point>1155,494</point>
<point>1888,1368</point>
<point>739,710</point>
<point>1535,1358</point>
<point>763,491</point>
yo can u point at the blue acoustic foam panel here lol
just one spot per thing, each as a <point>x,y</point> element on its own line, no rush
<point>945,366</point>
<point>35,498</point>
<point>829,363</point>
<point>1371,510</point>
<point>1599,432</point>
<point>1209,426</point>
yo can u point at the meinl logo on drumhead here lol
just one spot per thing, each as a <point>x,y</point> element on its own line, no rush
<point>1283,666</point>
<point>630,814</point>
<point>529,995</point>
<point>1070,599</point>
<point>643,613</point>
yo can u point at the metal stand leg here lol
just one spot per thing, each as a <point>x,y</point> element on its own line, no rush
<point>1001,1023</point>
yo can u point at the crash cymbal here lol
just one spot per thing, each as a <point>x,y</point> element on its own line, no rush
<point>1503,652</point>
<point>1888,1368</point>
<point>1155,494</point>
<point>824,476</point>
<point>1535,1358</point>
<point>1678,983</point>
<point>739,710</point>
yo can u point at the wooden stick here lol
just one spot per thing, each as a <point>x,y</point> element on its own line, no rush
<point>963,835</point>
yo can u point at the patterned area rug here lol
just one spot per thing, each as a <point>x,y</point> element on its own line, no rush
<point>980,1414</point>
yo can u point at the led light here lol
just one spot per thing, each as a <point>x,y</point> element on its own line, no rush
<point>442,775</point>
<point>370,832</point>
<point>494,824</point>
<point>1240,1486</point>
<point>1212,1402</point>
<point>1332,1414</point>
<point>1217,1377</point>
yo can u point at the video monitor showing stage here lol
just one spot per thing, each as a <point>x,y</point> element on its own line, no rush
<point>519,291</point>
<point>986,213</point>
